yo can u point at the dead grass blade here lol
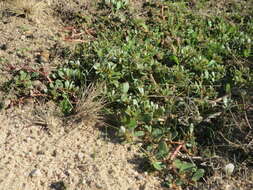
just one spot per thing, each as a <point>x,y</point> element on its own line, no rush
<point>88,108</point>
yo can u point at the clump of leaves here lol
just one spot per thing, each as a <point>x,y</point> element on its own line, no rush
<point>65,86</point>
<point>116,5</point>
<point>186,170</point>
<point>22,83</point>
<point>167,74</point>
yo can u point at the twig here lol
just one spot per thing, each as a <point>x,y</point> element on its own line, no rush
<point>173,156</point>
<point>229,142</point>
<point>237,124</point>
<point>250,143</point>
<point>247,120</point>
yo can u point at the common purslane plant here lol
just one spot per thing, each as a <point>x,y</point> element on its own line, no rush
<point>168,75</point>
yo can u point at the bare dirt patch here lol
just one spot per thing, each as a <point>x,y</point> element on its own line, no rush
<point>35,158</point>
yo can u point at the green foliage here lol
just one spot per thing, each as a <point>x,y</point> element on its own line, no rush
<point>116,5</point>
<point>189,170</point>
<point>65,86</point>
<point>22,83</point>
<point>162,74</point>
<point>65,82</point>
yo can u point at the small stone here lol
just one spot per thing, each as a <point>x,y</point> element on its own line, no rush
<point>29,34</point>
<point>122,130</point>
<point>80,156</point>
<point>60,185</point>
<point>99,186</point>
<point>29,154</point>
<point>44,56</point>
<point>54,153</point>
<point>3,47</point>
<point>83,182</point>
<point>67,173</point>
<point>110,171</point>
<point>6,103</point>
<point>229,168</point>
<point>139,177</point>
<point>135,172</point>
<point>40,153</point>
<point>81,167</point>
<point>35,173</point>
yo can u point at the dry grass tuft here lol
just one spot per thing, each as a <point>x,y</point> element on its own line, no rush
<point>88,108</point>
<point>25,8</point>
<point>46,118</point>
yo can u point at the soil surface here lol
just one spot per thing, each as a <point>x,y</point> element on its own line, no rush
<point>36,158</point>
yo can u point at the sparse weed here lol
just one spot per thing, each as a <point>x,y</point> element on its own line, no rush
<point>88,106</point>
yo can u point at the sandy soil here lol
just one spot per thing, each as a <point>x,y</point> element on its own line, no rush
<point>35,158</point>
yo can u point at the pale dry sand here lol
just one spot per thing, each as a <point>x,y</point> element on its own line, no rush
<point>34,158</point>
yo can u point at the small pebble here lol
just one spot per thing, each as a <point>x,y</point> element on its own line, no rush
<point>44,56</point>
<point>80,156</point>
<point>229,168</point>
<point>3,47</point>
<point>67,173</point>
<point>139,177</point>
<point>83,182</point>
<point>7,103</point>
<point>35,173</point>
<point>99,186</point>
<point>40,153</point>
<point>54,153</point>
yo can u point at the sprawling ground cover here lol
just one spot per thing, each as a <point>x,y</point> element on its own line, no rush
<point>176,77</point>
